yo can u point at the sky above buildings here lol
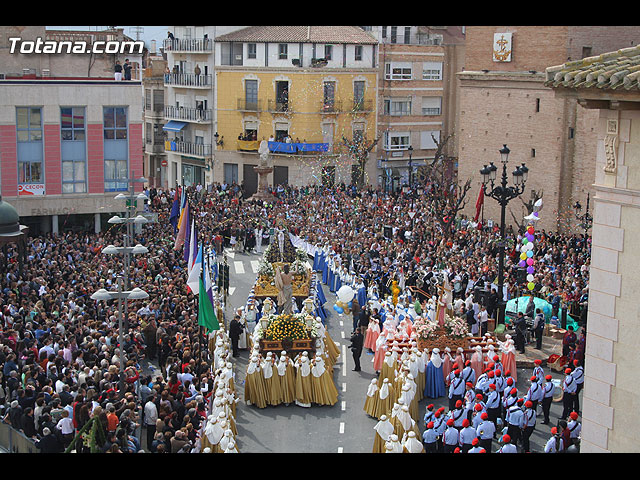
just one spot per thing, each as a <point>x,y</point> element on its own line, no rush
<point>148,32</point>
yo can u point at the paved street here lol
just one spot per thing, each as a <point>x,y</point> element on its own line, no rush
<point>342,428</point>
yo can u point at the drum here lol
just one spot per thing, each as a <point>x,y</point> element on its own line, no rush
<point>558,393</point>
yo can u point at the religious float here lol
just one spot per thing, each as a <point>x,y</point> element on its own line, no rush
<point>276,256</point>
<point>293,333</point>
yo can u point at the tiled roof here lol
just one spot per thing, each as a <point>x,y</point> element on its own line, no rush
<point>311,34</point>
<point>610,71</point>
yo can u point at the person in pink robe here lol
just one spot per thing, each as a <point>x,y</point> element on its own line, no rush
<point>477,362</point>
<point>447,365</point>
<point>509,358</point>
<point>459,361</point>
<point>373,331</point>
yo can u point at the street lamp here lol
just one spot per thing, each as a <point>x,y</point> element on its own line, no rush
<point>586,220</point>
<point>503,194</point>
<point>120,294</point>
<point>410,167</point>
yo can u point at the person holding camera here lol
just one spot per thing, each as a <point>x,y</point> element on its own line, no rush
<point>357,343</point>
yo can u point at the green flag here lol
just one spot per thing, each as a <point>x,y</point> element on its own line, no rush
<point>206,313</point>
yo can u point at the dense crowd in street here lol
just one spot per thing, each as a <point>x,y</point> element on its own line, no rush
<point>59,349</point>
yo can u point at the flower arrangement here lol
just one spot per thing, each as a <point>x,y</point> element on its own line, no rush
<point>301,255</point>
<point>290,327</point>
<point>299,268</point>
<point>425,328</point>
<point>265,269</point>
<point>455,327</point>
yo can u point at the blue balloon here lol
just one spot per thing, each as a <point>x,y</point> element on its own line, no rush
<point>530,253</point>
<point>350,304</point>
<point>338,309</point>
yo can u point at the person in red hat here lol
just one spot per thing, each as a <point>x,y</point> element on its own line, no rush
<point>476,411</point>
<point>467,436</point>
<point>458,414</point>
<point>430,438</point>
<point>439,426</point>
<point>555,442</point>
<point>538,371</point>
<point>569,388</point>
<point>535,392</point>
<point>507,446</point>
<point>475,446</point>
<point>528,425</point>
<point>515,420</point>
<point>574,427</point>
<point>469,395</point>
<point>428,416</point>
<point>548,390</point>
<point>486,432</point>
<point>456,389</point>
<point>493,404</point>
<point>450,437</point>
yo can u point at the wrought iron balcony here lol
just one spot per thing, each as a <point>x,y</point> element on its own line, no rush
<point>188,148</point>
<point>188,114</point>
<point>192,45</point>
<point>190,80</point>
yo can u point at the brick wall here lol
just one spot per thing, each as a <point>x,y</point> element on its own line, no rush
<point>95,158</point>
<point>136,148</point>
<point>534,48</point>
<point>52,162</point>
<point>8,160</point>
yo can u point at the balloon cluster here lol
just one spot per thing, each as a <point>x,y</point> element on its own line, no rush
<point>526,247</point>
<point>345,295</point>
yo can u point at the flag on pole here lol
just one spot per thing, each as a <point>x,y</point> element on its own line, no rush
<point>479,204</point>
<point>175,211</point>
<point>206,312</point>
<point>195,273</point>
<point>208,284</point>
<point>182,228</point>
<point>190,245</point>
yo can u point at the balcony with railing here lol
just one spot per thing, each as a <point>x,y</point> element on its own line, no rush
<point>191,45</point>
<point>331,106</point>
<point>245,105</point>
<point>185,114</point>
<point>189,80</point>
<point>279,106</point>
<point>362,106</point>
<point>188,148</point>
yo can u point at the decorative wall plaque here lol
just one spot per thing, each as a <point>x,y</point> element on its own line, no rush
<point>502,47</point>
<point>610,146</point>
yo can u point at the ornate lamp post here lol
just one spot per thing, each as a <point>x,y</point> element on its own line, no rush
<point>503,194</point>
<point>586,220</point>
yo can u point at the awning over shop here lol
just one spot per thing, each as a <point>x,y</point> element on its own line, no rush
<point>174,126</point>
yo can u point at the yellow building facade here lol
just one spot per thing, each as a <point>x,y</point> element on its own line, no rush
<point>272,85</point>
<point>305,117</point>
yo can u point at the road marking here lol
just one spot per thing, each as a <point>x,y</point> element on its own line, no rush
<point>344,387</point>
<point>255,265</point>
<point>230,253</point>
<point>344,360</point>
<point>231,290</point>
<point>340,449</point>
<point>341,427</point>
<point>341,323</point>
<point>239,268</point>
<point>342,334</point>
<point>344,405</point>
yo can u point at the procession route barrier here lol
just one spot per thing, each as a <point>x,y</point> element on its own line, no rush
<point>13,441</point>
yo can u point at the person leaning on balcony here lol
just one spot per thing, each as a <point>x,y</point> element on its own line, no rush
<point>117,71</point>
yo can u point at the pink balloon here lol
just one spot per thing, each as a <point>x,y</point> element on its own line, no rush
<point>529,261</point>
